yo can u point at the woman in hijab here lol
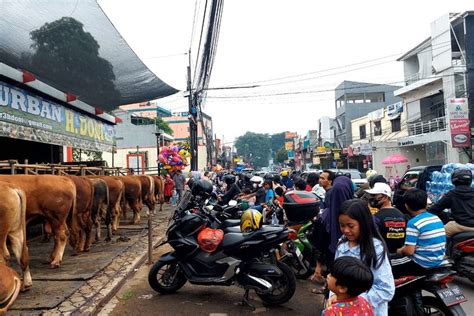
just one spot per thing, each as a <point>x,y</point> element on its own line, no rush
<point>326,232</point>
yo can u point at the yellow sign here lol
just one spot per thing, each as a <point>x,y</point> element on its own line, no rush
<point>337,155</point>
<point>289,146</point>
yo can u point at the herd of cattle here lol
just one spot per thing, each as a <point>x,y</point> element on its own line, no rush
<point>70,206</point>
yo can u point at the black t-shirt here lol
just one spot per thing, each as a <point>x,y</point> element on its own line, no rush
<point>392,226</point>
<point>260,196</point>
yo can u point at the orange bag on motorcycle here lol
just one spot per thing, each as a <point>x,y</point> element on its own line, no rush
<point>209,239</point>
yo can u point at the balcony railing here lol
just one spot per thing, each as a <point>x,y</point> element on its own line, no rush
<point>418,128</point>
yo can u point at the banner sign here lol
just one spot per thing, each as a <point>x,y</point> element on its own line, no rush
<point>376,115</point>
<point>459,123</point>
<point>291,154</point>
<point>23,115</point>
<point>289,145</point>
<point>289,135</point>
<point>394,110</point>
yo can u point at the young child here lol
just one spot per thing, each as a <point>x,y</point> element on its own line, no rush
<point>349,278</point>
<point>174,197</point>
<point>362,240</point>
<point>425,242</point>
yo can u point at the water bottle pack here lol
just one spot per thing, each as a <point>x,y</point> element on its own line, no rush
<point>440,183</point>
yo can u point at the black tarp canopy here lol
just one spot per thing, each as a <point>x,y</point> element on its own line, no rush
<point>72,46</point>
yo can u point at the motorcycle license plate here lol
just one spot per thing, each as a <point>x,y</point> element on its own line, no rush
<point>298,253</point>
<point>451,295</point>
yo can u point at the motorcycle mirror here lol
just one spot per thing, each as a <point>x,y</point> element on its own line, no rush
<point>232,203</point>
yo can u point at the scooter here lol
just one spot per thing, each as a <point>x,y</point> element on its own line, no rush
<point>460,249</point>
<point>445,298</point>
<point>245,259</point>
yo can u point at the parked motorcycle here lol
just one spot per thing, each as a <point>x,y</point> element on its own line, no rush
<point>245,259</point>
<point>460,249</point>
<point>445,298</point>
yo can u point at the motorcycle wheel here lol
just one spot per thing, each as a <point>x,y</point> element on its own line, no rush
<point>166,278</point>
<point>300,272</point>
<point>432,306</point>
<point>283,287</point>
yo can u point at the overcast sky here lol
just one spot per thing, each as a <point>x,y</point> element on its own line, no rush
<point>263,40</point>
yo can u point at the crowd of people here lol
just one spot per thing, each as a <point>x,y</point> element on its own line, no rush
<point>363,242</point>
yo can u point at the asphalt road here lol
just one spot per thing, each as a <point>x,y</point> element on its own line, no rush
<point>137,298</point>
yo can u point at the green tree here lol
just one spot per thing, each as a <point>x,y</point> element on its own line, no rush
<point>281,155</point>
<point>64,51</point>
<point>255,148</point>
<point>163,125</point>
<point>277,141</point>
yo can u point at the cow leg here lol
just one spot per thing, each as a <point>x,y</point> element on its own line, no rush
<point>136,213</point>
<point>19,248</point>
<point>4,253</point>
<point>108,222</point>
<point>125,209</point>
<point>88,235</point>
<point>60,233</point>
<point>46,232</point>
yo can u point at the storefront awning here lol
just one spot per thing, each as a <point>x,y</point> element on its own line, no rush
<point>72,46</point>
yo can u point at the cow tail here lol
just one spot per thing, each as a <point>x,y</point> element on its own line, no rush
<point>108,215</point>
<point>22,205</point>
<point>151,193</point>
<point>71,217</point>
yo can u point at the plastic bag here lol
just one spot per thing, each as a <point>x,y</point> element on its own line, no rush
<point>209,239</point>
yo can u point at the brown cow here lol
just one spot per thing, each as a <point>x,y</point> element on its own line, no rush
<point>116,196</point>
<point>100,208</point>
<point>148,192</point>
<point>10,285</point>
<point>159,190</point>
<point>53,198</point>
<point>80,239</point>
<point>133,197</point>
<point>13,227</point>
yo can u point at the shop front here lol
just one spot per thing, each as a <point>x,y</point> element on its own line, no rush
<point>42,129</point>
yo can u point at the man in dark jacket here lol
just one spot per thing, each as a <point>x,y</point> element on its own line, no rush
<point>461,202</point>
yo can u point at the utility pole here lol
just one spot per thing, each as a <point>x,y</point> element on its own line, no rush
<point>192,122</point>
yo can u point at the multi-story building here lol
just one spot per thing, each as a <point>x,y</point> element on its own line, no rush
<point>137,143</point>
<point>356,99</point>
<point>375,136</point>
<point>439,76</point>
<point>179,123</point>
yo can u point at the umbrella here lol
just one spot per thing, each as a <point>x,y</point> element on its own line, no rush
<point>394,159</point>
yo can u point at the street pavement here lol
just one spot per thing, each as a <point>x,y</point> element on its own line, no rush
<point>137,298</point>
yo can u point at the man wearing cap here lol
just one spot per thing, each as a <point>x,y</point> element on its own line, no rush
<point>390,221</point>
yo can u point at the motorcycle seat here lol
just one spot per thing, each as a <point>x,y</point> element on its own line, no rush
<point>232,229</point>
<point>462,236</point>
<point>233,239</point>
<point>231,223</point>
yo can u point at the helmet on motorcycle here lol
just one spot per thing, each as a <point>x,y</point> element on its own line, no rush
<point>461,177</point>
<point>250,221</point>
<point>257,180</point>
<point>229,179</point>
<point>284,173</point>
<point>370,173</point>
<point>202,188</point>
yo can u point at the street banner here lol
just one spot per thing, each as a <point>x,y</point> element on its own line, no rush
<point>24,115</point>
<point>289,135</point>
<point>291,154</point>
<point>458,113</point>
<point>289,146</point>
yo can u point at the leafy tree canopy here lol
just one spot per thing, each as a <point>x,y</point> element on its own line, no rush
<point>255,148</point>
<point>63,50</point>
<point>281,155</point>
<point>163,125</point>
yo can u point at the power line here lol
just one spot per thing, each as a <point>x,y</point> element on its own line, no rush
<point>425,50</point>
<point>320,91</point>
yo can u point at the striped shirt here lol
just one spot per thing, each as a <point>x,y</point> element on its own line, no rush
<point>426,232</point>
